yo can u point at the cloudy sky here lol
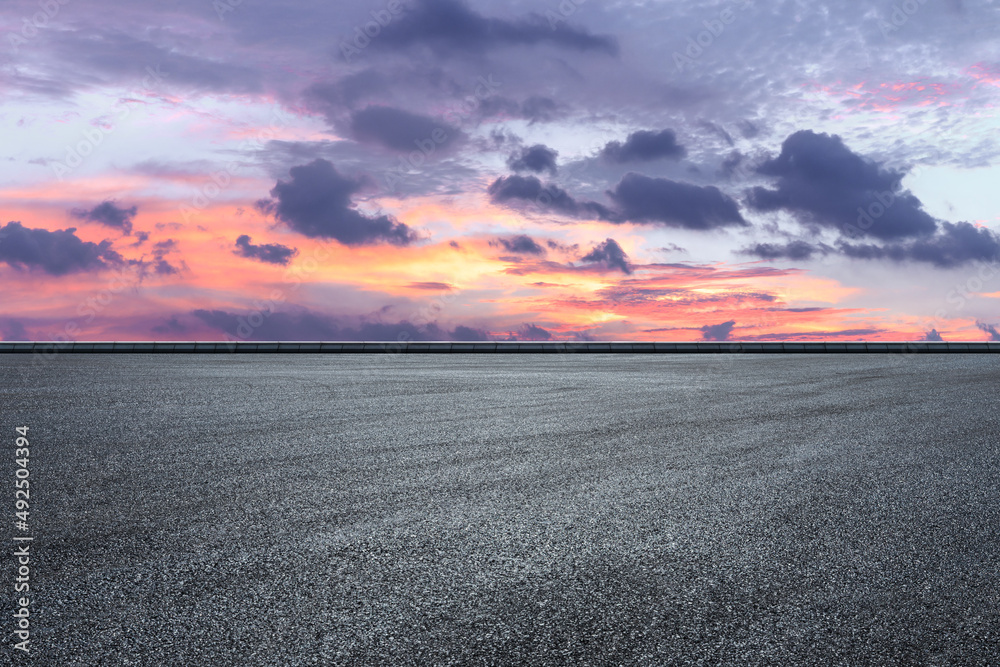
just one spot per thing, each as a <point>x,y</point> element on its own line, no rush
<point>462,169</point>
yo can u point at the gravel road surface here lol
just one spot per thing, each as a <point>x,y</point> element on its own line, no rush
<point>515,510</point>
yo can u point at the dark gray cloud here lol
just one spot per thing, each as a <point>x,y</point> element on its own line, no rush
<point>109,214</point>
<point>732,164</point>
<point>535,109</point>
<point>955,244</point>
<point>499,106</point>
<point>13,330</point>
<point>519,189</point>
<point>403,131</point>
<point>537,158</point>
<point>532,332</point>
<point>95,54</point>
<point>857,334</point>
<point>795,250</point>
<point>672,204</point>
<point>643,146</point>
<point>933,336</point>
<point>161,266</point>
<point>274,326</point>
<point>821,180</point>
<point>57,253</point>
<point>717,130</point>
<point>521,245</point>
<point>270,253</point>
<point>306,325</point>
<point>539,109</point>
<point>172,326</point>
<point>748,129</point>
<point>638,199</point>
<point>348,91</point>
<point>609,254</point>
<point>990,329</point>
<point>450,27</point>
<point>316,202</point>
<point>718,331</point>
<point>410,87</point>
<point>463,333</point>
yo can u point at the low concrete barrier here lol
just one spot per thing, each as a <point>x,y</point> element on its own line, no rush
<point>510,347</point>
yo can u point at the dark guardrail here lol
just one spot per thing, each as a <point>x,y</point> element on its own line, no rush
<point>506,347</point>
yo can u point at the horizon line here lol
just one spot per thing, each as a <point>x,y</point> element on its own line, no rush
<point>494,347</point>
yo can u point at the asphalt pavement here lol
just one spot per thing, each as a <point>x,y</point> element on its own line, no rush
<point>508,510</point>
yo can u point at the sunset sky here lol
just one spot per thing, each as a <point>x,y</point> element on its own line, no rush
<point>451,170</point>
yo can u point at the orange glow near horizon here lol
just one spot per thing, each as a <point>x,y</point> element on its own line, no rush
<point>476,282</point>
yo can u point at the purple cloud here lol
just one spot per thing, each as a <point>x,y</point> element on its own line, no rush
<point>57,253</point>
<point>109,214</point>
<point>644,146</point>
<point>269,253</point>
<point>316,202</point>
<point>610,255</point>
